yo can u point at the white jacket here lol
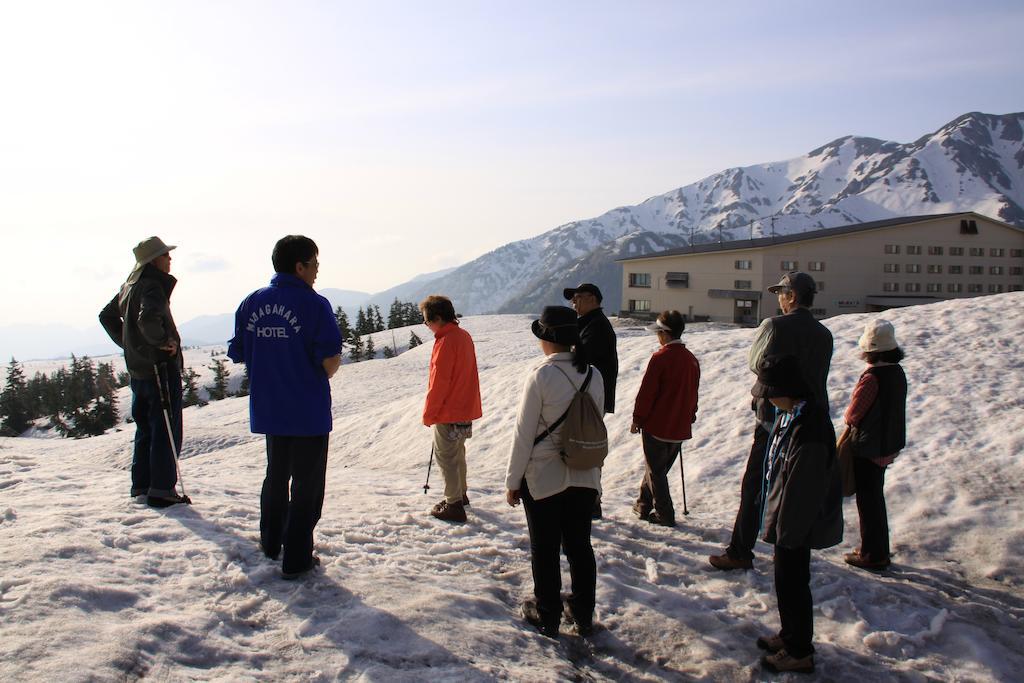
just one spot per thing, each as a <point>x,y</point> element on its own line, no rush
<point>547,394</point>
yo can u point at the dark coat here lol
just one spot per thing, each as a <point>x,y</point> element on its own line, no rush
<point>138,319</point>
<point>597,338</point>
<point>804,508</point>
<point>883,429</point>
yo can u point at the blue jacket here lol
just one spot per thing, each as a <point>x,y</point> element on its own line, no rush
<point>283,333</point>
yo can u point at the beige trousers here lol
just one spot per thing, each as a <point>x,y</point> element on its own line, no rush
<point>450,453</point>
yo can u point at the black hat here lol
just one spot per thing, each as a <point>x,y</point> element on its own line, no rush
<point>779,377</point>
<point>796,281</point>
<point>569,292</point>
<point>558,325</point>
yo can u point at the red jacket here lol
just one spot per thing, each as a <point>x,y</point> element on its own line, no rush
<point>666,404</point>
<point>453,391</point>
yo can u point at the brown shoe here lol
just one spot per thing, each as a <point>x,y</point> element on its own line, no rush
<point>726,562</point>
<point>782,661</point>
<point>771,643</point>
<point>641,511</point>
<point>656,518</point>
<point>450,512</point>
<point>855,559</point>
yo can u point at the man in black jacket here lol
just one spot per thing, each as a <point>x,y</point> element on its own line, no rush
<point>598,342</point>
<point>794,333</point>
<point>138,319</point>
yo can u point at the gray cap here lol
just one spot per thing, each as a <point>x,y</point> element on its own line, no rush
<point>796,281</point>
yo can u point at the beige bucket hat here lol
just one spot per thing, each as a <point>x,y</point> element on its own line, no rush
<point>145,251</point>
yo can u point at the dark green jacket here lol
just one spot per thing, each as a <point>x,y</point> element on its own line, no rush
<point>138,319</point>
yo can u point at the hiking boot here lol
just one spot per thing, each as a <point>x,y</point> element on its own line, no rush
<point>656,518</point>
<point>582,627</point>
<point>782,661</point>
<point>855,559</point>
<point>450,512</point>
<point>771,643</point>
<point>291,576</point>
<point>641,511</point>
<point>727,562</point>
<point>167,501</point>
<point>532,615</point>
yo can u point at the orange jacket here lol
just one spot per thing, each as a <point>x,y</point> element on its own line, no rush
<point>453,391</point>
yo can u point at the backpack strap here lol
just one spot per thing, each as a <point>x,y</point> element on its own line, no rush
<point>557,423</point>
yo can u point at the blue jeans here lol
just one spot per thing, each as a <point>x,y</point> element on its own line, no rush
<point>154,471</point>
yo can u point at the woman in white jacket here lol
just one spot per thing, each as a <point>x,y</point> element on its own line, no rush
<point>558,500</point>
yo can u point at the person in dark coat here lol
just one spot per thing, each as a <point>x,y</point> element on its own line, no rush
<point>876,431</point>
<point>803,507</point>
<point>138,319</point>
<point>796,333</point>
<point>597,344</point>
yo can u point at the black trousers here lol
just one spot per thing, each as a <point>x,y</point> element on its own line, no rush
<point>659,456</point>
<point>290,520</point>
<point>874,522</point>
<point>562,521</point>
<point>793,592</point>
<point>748,517</point>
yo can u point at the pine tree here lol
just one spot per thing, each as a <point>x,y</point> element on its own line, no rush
<point>389,352</point>
<point>343,326</point>
<point>190,396</point>
<point>15,402</point>
<point>396,314</point>
<point>243,388</point>
<point>219,390</point>
<point>412,314</point>
<point>355,351</point>
<point>414,341</point>
<point>369,354</point>
<point>378,321</point>
<point>362,327</point>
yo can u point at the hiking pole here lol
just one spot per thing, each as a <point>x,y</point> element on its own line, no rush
<point>426,484</point>
<point>164,390</point>
<point>682,473</point>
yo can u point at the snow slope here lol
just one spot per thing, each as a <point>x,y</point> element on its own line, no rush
<point>95,587</point>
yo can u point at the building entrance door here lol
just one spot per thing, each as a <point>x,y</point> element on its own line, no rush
<point>743,313</point>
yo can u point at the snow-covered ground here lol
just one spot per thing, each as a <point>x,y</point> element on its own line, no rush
<point>96,587</point>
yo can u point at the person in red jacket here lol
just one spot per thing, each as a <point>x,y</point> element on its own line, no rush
<point>453,402</point>
<point>665,407</point>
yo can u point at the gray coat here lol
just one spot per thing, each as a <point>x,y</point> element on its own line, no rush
<point>138,319</point>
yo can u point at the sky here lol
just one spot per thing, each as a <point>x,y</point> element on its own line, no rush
<point>407,137</point>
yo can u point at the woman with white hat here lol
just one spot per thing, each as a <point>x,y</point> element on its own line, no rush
<point>876,432</point>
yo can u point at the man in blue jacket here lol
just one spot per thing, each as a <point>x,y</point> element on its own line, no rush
<point>288,338</point>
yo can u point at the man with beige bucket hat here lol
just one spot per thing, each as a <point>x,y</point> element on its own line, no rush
<point>138,319</point>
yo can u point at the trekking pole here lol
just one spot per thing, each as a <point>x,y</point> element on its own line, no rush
<point>426,484</point>
<point>164,390</point>
<point>682,474</point>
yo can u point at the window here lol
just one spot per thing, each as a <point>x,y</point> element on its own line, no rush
<point>995,289</point>
<point>975,270</point>
<point>977,251</point>
<point>816,266</point>
<point>954,288</point>
<point>639,279</point>
<point>974,289</point>
<point>744,265</point>
<point>1017,253</point>
<point>677,279</point>
<point>934,287</point>
<point>741,284</point>
<point>890,267</point>
<point>789,265</point>
<point>912,287</point>
<point>995,270</point>
<point>956,270</point>
<point>934,269</point>
<point>1016,270</point>
<point>913,267</point>
<point>890,286</point>
<point>639,305</point>
<point>913,250</point>
<point>935,251</point>
<point>968,227</point>
<point>956,251</point>
<point>997,251</point>
<point>818,311</point>
<point>892,249</point>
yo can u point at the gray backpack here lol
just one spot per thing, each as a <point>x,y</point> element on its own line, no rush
<point>584,436</point>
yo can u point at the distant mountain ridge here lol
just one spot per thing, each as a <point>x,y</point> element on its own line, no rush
<point>973,163</point>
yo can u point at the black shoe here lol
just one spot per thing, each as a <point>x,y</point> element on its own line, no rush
<point>291,576</point>
<point>582,628</point>
<point>641,511</point>
<point>532,615</point>
<point>656,518</point>
<point>167,501</point>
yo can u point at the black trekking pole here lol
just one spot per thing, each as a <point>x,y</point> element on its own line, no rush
<point>682,474</point>
<point>164,390</point>
<point>426,484</point>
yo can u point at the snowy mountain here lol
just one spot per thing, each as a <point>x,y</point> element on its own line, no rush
<point>95,587</point>
<point>974,163</point>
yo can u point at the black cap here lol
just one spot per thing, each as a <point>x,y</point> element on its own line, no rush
<point>796,281</point>
<point>569,292</point>
<point>557,324</point>
<point>779,377</point>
